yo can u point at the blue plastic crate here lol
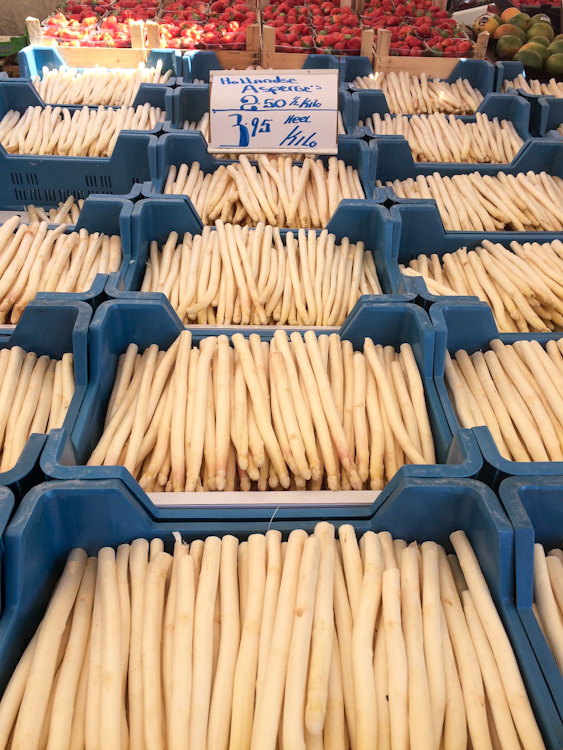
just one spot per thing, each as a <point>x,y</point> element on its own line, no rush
<point>7,504</point>
<point>479,73</point>
<point>32,60</point>
<point>419,229</point>
<point>197,64</point>
<point>49,327</point>
<point>155,218</point>
<point>367,103</point>
<point>108,215</point>
<point>508,71</point>
<point>534,507</point>
<point>471,326</point>
<point>191,102</point>
<point>21,94</point>
<point>48,180</point>
<point>391,159</point>
<point>190,146</point>
<point>551,116</point>
<point>56,517</point>
<point>120,322</point>
<point>389,162</point>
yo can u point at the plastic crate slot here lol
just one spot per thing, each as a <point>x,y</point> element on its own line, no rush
<point>17,178</point>
<point>34,195</point>
<point>51,196</point>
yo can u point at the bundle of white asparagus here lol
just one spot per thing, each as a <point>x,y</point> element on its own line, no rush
<point>112,87</point>
<point>35,394</point>
<point>560,129</point>
<point>279,192</point>
<point>524,288</point>
<point>264,644</point>
<point>516,391</point>
<point>66,213</point>
<point>411,95</point>
<point>35,259</point>
<point>439,138</point>
<point>89,131</point>
<point>548,598</point>
<point>258,277</point>
<point>300,412</point>
<point>533,86</point>
<point>475,202</point>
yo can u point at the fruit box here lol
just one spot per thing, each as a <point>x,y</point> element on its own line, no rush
<point>223,59</point>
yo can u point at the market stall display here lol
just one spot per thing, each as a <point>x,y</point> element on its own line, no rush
<point>219,25</point>
<point>65,213</point>
<point>35,397</point>
<point>523,38</point>
<point>237,346</point>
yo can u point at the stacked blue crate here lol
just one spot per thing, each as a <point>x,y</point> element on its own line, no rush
<point>533,505</point>
<point>56,517</point>
<point>471,326</point>
<point>48,327</point>
<point>120,322</point>
<point>154,219</point>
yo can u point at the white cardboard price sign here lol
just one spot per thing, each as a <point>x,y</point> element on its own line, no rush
<point>283,111</point>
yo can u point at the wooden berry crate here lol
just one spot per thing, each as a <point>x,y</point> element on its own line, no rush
<point>104,57</point>
<point>434,67</point>
<point>144,38</point>
<point>244,58</point>
<point>290,60</point>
